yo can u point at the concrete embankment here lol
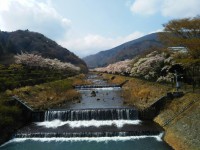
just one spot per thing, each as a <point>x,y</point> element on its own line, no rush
<point>180,119</point>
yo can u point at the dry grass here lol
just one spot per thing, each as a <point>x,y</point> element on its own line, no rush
<point>51,94</point>
<point>80,80</point>
<point>48,99</point>
<point>142,93</point>
<point>139,93</point>
<point>114,78</point>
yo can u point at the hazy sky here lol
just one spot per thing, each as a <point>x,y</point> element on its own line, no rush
<point>89,26</point>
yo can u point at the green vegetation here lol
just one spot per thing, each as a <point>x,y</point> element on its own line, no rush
<point>16,75</point>
<point>10,118</point>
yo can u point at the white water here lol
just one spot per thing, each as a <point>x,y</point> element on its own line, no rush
<point>101,89</point>
<point>87,139</point>
<point>87,123</point>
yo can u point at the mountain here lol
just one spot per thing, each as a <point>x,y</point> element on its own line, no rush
<point>125,51</point>
<point>19,41</point>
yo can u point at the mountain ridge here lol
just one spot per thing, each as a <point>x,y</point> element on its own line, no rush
<point>124,51</point>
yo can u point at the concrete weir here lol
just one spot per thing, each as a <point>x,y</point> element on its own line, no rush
<point>98,122</point>
<point>92,114</point>
<point>74,114</point>
<point>108,122</point>
<point>143,128</point>
<point>85,87</point>
<point>93,122</point>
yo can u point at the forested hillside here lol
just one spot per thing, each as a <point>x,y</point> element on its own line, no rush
<point>12,43</point>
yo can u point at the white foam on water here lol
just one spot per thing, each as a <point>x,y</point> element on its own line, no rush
<point>87,123</point>
<point>108,88</point>
<point>101,89</point>
<point>160,136</point>
<point>87,139</point>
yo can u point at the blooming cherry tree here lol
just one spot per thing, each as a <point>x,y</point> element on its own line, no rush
<point>121,67</point>
<point>149,66</point>
<point>39,61</point>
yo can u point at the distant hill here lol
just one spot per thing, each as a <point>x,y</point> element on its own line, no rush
<point>12,43</point>
<point>125,51</point>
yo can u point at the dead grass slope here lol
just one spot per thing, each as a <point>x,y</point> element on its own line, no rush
<point>138,93</point>
<point>50,94</point>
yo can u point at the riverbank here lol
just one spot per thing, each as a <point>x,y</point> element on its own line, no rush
<point>139,93</point>
<point>47,95</point>
<point>179,118</point>
<point>38,97</point>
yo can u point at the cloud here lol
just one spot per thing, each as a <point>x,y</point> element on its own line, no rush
<point>92,43</point>
<point>41,16</point>
<point>180,8</point>
<point>145,7</point>
<point>32,15</point>
<point>167,8</point>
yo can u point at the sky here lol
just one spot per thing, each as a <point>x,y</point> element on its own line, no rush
<point>86,27</point>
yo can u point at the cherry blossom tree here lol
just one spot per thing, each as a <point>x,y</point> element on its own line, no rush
<point>33,60</point>
<point>121,67</point>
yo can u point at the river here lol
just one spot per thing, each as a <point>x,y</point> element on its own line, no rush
<point>99,121</point>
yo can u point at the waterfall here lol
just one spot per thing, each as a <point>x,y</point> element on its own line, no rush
<point>92,114</point>
<point>113,122</point>
<point>86,134</point>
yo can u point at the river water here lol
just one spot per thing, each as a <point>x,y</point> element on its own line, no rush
<point>98,122</point>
